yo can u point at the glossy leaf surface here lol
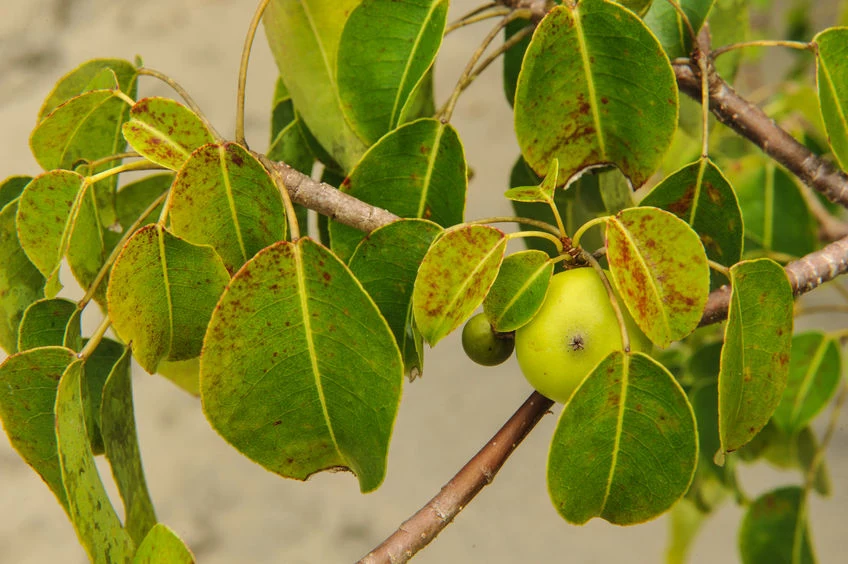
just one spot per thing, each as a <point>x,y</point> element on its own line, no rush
<point>98,526</point>
<point>21,283</point>
<point>832,81</point>
<point>755,357</point>
<point>165,131</point>
<point>519,290</point>
<point>162,293</point>
<point>386,263</point>
<point>625,445</point>
<point>291,377</point>
<point>117,417</point>
<point>385,50</point>
<point>241,207</point>
<point>304,37</point>
<point>28,384</point>
<point>815,370</point>
<point>774,529</point>
<point>163,546</point>
<point>582,94</point>
<point>454,277</point>
<point>661,270</point>
<point>416,171</point>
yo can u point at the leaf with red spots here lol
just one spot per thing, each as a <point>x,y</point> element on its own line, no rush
<point>625,446</point>
<point>164,131</point>
<point>163,545</point>
<point>240,204</point>
<point>700,195</point>
<point>161,295</point>
<point>378,71</point>
<point>28,384</point>
<point>815,371</point>
<point>454,277</point>
<point>595,88</point>
<point>300,371</point>
<point>386,263</point>
<point>832,82</point>
<point>416,171</point>
<point>57,217</point>
<point>775,529</point>
<point>667,24</point>
<point>97,524</point>
<point>755,356</point>
<point>659,266</point>
<point>519,290</point>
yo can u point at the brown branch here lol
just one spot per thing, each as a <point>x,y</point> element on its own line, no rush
<point>417,531</point>
<point>752,123</point>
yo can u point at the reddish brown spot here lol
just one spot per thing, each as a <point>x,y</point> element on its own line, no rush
<point>604,100</point>
<point>277,423</point>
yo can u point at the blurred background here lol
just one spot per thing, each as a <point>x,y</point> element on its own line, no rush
<point>229,509</point>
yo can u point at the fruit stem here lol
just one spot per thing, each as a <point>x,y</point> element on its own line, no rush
<point>619,316</point>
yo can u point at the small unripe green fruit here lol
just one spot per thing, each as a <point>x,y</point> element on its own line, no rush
<point>483,345</point>
<point>573,331</point>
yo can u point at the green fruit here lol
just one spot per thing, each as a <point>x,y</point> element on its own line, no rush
<point>573,331</point>
<point>483,345</point>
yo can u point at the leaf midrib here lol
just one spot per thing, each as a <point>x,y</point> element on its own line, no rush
<point>590,81</point>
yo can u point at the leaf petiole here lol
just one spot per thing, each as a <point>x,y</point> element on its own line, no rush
<point>575,241</point>
<point>541,234</point>
<point>544,226</point>
<point>242,75</point>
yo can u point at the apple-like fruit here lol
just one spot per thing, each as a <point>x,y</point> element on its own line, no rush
<point>573,331</point>
<point>483,345</point>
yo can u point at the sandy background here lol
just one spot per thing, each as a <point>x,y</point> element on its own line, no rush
<point>229,509</point>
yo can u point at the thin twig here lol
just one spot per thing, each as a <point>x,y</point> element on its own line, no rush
<point>242,76</point>
<point>420,529</point>
<point>480,16</point>
<point>761,43</point>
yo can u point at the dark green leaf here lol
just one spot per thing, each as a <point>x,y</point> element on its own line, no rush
<point>164,131</point>
<point>775,530</point>
<point>318,377</point>
<point>755,357</point>
<point>98,526</point>
<point>454,277</point>
<point>161,295</point>
<point>97,369</point>
<point>519,290</point>
<point>832,81</point>
<point>28,384</point>
<point>240,204</point>
<point>625,446</point>
<point>386,263</point>
<point>581,94</point>
<point>385,50</point>
<point>121,443</point>
<point>11,188</point>
<point>661,270</point>
<point>416,171</point>
<point>137,196</point>
<point>671,29</point>
<point>513,58</point>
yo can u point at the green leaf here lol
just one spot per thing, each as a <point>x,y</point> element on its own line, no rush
<point>89,244</point>
<point>21,284</point>
<point>832,82</point>
<point>614,190</point>
<point>625,445</point>
<point>133,198</point>
<point>386,263</point>
<point>581,94</point>
<point>46,215</point>
<point>774,529</point>
<point>519,290</point>
<point>671,29</point>
<point>11,189</point>
<point>700,195</point>
<point>544,192</point>
<point>45,323</point>
<point>183,373</point>
<point>777,218</point>
<point>161,295</point>
<point>163,546</point>
<point>513,58</point>
<point>304,36</point>
<point>165,131</point>
<point>416,171</point>
<point>661,270</point>
<point>299,370</point>
<point>28,383</point>
<point>755,357</point>
<point>97,525</point>
<point>240,204</point>
<point>291,147</point>
<point>730,22</point>
<point>377,70</point>
<point>454,277</point>
<point>82,78</point>
<point>97,369</point>
<point>815,370</point>
<point>685,522</point>
<point>637,6</point>
<point>121,444</point>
